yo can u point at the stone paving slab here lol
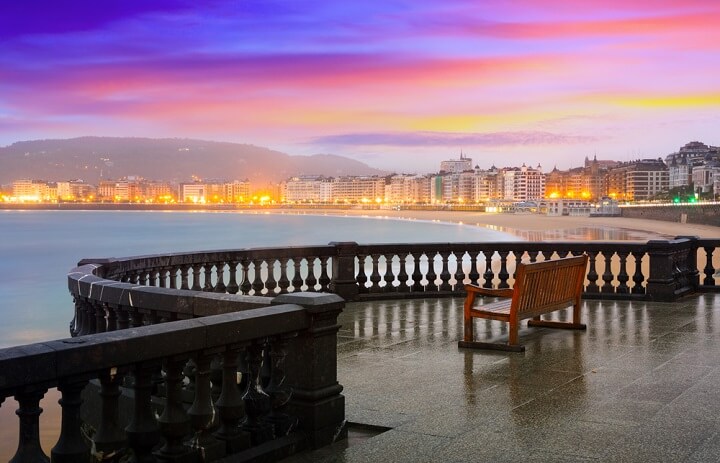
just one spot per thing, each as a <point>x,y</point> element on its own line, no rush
<point>641,384</point>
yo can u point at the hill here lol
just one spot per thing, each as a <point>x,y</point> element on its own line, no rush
<point>168,159</point>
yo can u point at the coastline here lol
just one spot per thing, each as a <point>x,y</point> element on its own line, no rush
<point>525,225</point>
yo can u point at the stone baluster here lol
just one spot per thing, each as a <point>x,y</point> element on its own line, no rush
<point>75,322</point>
<point>163,277</point>
<point>174,423</point>
<point>232,286</point>
<point>459,274</point>
<point>503,275</point>
<point>196,271</point>
<point>245,284</point>
<point>257,284</point>
<point>271,283</point>
<point>324,279</point>
<point>518,261</point>
<point>283,282</point>
<point>136,318</point>
<point>100,320</point>
<point>81,323</point>
<point>431,275</point>
<point>112,316</point>
<point>28,412</point>
<point>297,280</point>
<point>547,255</point>
<point>257,402</point>
<point>70,447</point>
<point>417,276</point>
<point>533,256</point>
<point>403,276</point>
<point>638,276</point>
<point>207,277</point>
<point>474,275</point>
<point>389,276</point>
<point>592,275</point>
<point>445,272</point>
<point>89,322</point>
<point>489,275</point>
<point>173,277</point>
<point>230,405</point>
<point>375,277</point>
<point>278,392</point>
<point>362,276</point>
<point>220,278</point>
<point>311,279</point>
<point>607,275</point>
<point>185,277</point>
<point>123,316</point>
<point>109,437</point>
<point>202,411</point>
<point>623,276</point>
<point>142,432</point>
<point>154,276</point>
<point>709,269</point>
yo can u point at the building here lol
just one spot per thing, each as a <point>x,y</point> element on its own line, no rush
<point>455,166</point>
<point>306,188</point>
<point>639,180</point>
<point>237,191</point>
<point>195,192</point>
<point>521,183</point>
<point>26,190</point>
<point>361,189</point>
<point>681,164</point>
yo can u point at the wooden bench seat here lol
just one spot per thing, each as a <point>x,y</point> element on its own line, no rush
<point>539,288</point>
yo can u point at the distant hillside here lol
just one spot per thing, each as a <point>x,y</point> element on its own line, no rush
<point>169,159</point>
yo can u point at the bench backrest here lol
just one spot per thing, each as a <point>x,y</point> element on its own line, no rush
<point>542,287</point>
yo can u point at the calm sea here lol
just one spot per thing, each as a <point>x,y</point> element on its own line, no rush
<point>37,248</point>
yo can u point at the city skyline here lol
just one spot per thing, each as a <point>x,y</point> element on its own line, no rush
<point>389,84</point>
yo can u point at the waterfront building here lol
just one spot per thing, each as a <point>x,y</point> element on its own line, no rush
<point>306,188</point>
<point>27,190</point>
<point>681,164</point>
<point>485,184</point>
<point>75,190</point>
<point>358,189</point>
<point>195,192</point>
<point>522,183</point>
<point>638,180</point>
<point>404,189</point>
<point>703,176</point>
<point>237,191</point>
<point>455,166</point>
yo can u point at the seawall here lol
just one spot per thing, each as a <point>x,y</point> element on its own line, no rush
<point>702,214</point>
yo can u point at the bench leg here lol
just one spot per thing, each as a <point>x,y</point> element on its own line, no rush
<point>468,334</point>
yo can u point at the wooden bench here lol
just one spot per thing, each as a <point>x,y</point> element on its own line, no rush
<point>539,288</point>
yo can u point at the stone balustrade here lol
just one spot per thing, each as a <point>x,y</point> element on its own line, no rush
<point>162,340</point>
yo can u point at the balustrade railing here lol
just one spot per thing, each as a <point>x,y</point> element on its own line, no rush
<point>658,270</point>
<point>180,379</point>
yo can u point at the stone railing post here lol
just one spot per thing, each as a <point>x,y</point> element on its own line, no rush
<point>311,369</point>
<point>343,282</point>
<point>667,281</point>
<point>692,273</point>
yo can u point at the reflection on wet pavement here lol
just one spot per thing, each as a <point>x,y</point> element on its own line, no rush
<point>639,385</point>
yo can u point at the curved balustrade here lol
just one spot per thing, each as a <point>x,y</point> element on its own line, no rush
<point>656,269</point>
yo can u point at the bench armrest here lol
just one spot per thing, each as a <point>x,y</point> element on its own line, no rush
<point>489,292</point>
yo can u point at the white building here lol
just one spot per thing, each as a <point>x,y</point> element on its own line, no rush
<point>193,192</point>
<point>455,166</point>
<point>306,188</point>
<point>521,183</point>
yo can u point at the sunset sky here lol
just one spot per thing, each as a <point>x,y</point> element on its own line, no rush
<point>399,84</point>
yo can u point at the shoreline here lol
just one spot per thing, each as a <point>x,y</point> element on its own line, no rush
<point>525,225</point>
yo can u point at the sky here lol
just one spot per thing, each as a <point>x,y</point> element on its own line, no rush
<point>398,84</point>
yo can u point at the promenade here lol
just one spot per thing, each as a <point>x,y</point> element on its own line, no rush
<point>639,385</point>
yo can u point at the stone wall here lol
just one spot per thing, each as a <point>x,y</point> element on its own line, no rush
<point>705,214</point>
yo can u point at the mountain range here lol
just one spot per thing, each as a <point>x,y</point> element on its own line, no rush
<point>167,159</point>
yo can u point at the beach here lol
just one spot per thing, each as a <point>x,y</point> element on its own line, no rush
<point>527,225</point>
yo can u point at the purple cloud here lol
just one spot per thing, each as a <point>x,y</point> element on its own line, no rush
<point>452,139</point>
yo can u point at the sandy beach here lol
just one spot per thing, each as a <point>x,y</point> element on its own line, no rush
<point>533,226</point>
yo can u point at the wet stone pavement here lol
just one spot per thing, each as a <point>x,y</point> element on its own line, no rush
<point>640,385</point>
